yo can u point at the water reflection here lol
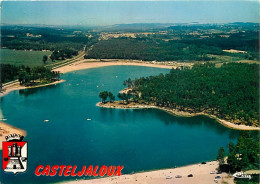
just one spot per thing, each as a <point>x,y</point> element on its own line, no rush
<point>207,123</point>
<point>27,92</point>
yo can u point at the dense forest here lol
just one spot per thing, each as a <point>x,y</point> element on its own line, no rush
<point>26,75</point>
<point>9,72</point>
<point>230,92</point>
<point>187,48</point>
<point>182,43</point>
<point>148,50</point>
<point>27,38</point>
<point>37,75</point>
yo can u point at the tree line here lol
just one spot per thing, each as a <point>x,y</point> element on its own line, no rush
<point>49,39</point>
<point>31,76</point>
<point>105,94</point>
<point>63,54</point>
<point>60,55</point>
<point>27,75</point>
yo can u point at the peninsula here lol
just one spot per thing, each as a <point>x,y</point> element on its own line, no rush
<point>200,90</point>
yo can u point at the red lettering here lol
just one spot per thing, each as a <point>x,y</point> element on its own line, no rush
<point>103,170</point>
<point>119,169</point>
<point>111,170</point>
<point>54,170</point>
<point>95,171</point>
<point>37,170</point>
<point>73,171</point>
<point>61,169</point>
<point>46,170</point>
<point>67,170</point>
<point>80,173</point>
<point>89,170</point>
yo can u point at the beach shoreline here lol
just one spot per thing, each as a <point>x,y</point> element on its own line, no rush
<point>175,112</point>
<point>6,129</point>
<point>201,174</point>
<point>93,63</point>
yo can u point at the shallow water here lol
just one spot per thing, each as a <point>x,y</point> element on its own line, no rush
<point>140,140</point>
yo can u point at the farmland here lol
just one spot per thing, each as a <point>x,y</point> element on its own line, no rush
<point>22,57</point>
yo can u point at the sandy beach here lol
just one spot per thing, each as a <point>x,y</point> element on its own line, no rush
<point>91,63</point>
<point>175,113</point>
<point>201,175</point>
<point>6,129</point>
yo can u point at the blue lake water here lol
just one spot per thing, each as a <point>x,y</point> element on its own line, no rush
<point>141,140</point>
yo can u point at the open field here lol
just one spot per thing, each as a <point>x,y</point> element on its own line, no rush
<point>225,59</point>
<point>22,57</point>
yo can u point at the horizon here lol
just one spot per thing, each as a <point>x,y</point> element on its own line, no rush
<point>179,23</point>
<point>93,26</point>
<point>108,13</point>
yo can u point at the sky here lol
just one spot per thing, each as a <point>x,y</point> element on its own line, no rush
<point>127,12</point>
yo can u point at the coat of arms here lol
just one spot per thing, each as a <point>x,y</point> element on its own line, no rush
<point>14,154</point>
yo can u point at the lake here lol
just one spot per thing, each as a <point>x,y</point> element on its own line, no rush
<point>141,140</point>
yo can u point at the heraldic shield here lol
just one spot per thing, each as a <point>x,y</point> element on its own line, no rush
<point>14,154</point>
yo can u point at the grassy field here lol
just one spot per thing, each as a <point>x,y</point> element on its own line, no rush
<point>21,57</point>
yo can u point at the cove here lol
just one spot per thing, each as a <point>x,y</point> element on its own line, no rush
<point>139,139</point>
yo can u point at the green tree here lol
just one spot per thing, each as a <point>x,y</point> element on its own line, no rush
<point>221,156</point>
<point>22,76</point>
<point>245,154</point>
<point>122,96</point>
<point>128,96</point>
<point>44,59</point>
<point>231,147</point>
<point>111,96</point>
<point>103,95</point>
<point>52,57</point>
